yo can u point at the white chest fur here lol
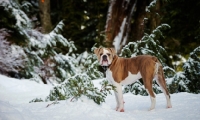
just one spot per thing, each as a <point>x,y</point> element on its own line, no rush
<point>131,78</point>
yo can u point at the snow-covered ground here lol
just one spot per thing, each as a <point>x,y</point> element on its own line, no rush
<point>16,94</point>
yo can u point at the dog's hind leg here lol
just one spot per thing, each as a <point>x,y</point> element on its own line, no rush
<point>147,77</point>
<point>161,82</point>
<point>152,97</point>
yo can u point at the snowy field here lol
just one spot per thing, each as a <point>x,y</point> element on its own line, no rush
<point>16,94</point>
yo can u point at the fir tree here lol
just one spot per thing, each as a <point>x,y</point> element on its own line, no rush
<point>92,66</point>
<point>178,83</point>
<point>188,80</point>
<point>12,57</point>
<point>191,69</point>
<point>44,53</point>
<point>46,61</point>
<point>148,45</point>
<point>14,26</point>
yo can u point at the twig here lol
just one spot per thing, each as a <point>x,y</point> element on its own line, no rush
<point>72,99</point>
<point>55,102</point>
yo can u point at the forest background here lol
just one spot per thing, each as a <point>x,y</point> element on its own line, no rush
<point>50,41</point>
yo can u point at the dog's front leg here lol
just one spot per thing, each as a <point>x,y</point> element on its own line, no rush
<point>117,101</point>
<point>119,97</point>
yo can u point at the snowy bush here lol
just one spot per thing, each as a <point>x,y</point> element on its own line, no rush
<point>187,80</point>
<point>136,88</point>
<point>36,100</point>
<point>177,83</point>
<point>148,45</point>
<point>49,56</point>
<point>12,57</point>
<point>92,66</point>
<point>92,70</point>
<point>88,63</point>
<point>77,86</point>
<point>43,51</point>
<point>191,69</point>
<point>81,84</point>
<point>14,13</point>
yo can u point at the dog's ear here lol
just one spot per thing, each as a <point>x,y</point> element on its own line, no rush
<point>96,50</point>
<point>113,51</point>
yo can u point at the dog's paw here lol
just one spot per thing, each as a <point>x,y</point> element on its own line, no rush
<point>150,109</point>
<point>120,110</point>
<point>169,106</point>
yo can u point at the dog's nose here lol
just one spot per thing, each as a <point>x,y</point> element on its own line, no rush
<point>104,57</point>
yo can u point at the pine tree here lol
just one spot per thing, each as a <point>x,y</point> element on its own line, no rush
<point>44,53</point>
<point>12,57</point>
<point>49,57</point>
<point>148,45</point>
<point>14,24</point>
<point>188,79</point>
<point>178,83</point>
<point>191,69</point>
<point>92,66</point>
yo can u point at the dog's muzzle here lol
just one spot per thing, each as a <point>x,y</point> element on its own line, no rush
<point>104,58</point>
<point>104,61</point>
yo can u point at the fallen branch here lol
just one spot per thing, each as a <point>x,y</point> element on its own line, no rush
<point>55,102</point>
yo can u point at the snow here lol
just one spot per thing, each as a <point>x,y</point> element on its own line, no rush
<point>21,91</point>
<point>151,5</point>
<point>118,38</point>
<point>16,94</point>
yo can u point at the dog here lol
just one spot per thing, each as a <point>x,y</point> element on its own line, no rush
<point>122,71</point>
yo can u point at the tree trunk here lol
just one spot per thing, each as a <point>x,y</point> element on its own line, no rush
<point>118,22</point>
<point>141,25</point>
<point>154,16</point>
<point>129,15</point>
<point>44,6</point>
<point>138,25</point>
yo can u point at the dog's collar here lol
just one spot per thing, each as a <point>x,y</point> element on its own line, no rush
<point>105,67</point>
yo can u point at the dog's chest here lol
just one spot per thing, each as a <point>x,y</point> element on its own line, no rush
<point>131,78</point>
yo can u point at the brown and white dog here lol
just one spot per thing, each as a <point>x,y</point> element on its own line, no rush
<point>123,71</point>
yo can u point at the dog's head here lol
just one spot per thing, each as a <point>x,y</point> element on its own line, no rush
<point>105,55</point>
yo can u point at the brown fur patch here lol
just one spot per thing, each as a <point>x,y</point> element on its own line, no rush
<point>144,64</point>
<point>98,52</point>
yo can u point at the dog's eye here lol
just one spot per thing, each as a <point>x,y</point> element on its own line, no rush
<point>101,54</point>
<point>108,54</point>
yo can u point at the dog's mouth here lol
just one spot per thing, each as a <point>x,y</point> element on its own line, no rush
<point>104,63</point>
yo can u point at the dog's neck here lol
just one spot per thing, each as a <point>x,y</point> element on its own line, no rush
<point>105,67</point>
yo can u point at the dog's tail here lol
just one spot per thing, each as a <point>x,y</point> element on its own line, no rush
<point>158,66</point>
